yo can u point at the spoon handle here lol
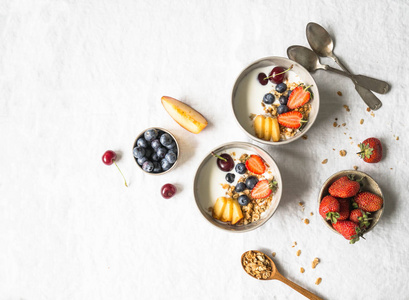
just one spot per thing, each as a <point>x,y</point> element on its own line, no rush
<point>296,287</point>
<point>375,85</point>
<point>381,87</point>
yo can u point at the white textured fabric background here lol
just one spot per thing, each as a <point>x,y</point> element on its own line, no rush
<point>80,77</point>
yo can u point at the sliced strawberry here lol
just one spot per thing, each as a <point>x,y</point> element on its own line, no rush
<point>255,165</point>
<point>299,96</point>
<point>263,189</point>
<point>292,119</point>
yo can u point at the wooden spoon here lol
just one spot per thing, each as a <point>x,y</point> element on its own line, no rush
<point>276,275</point>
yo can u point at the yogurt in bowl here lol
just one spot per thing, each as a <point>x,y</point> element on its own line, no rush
<point>262,119</point>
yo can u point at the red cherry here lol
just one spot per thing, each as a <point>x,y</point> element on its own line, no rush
<point>109,158</point>
<point>168,190</point>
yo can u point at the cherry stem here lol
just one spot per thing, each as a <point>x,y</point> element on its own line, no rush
<point>218,156</point>
<point>280,72</point>
<point>121,173</point>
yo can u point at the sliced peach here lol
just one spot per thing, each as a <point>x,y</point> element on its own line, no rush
<point>237,214</point>
<point>218,208</point>
<point>268,126</point>
<point>259,126</point>
<point>228,211</point>
<point>275,130</point>
<point>184,115</point>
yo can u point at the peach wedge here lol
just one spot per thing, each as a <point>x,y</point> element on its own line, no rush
<point>184,115</point>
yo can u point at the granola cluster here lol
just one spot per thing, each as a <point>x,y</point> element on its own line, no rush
<point>257,265</point>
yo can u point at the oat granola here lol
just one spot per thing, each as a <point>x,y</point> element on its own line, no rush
<point>257,265</point>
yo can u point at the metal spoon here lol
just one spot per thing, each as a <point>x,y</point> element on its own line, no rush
<point>322,44</point>
<point>276,275</point>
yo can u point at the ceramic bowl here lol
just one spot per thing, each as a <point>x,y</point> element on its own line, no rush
<point>209,178</point>
<point>177,145</point>
<point>369,185</point>
<point>248,93</point>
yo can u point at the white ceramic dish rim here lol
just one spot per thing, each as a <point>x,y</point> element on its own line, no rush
<point>277,196</point>
<point>316,99</point>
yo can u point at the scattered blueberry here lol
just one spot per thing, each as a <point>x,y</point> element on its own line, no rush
<point>166,139</point>
<point>156,167</point>
<point>243,200</point>
<point>155,144</point>
<point>142,160</point>
<point>150,134</point>
<point>170,157</point>
<point>283,100</point>
<point>282,109</point>
<point>241,168</point>
<point>148,166</point>
<point>165,164</point>
<point>141,142</point>
<point>154,157</point>
<point>268,98</point>
<point>281,87</point>
<point>139,152</point>
<point>161,152</point>
<point>251,182</point>
<point>240,187</point>
<point>230,177</point>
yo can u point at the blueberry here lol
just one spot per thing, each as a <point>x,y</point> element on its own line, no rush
<point>155,144</point>
<point>174,150</point>
<point>170,157</point>
<point>166,139</point>
<point>142,160</point>
<point>243,200</point>
<point>148,152</point>
<point>230,177</point>
<point>281,87</point>
<point>141,142</point>
<point>138,152</point>
<point>154,157</point>
<point>268,98</point>
<point>150,134</point>
<point>156,167</point>
<point>240,187</point>
<point>171,145</point>
<point>161,152</point>
<point>165,164</point>
<point>241,168</point>
<point>148,166</point>
<point>283,100</point>
<point>251,182</point>
<point>289,93</point>
<point>282,109</point>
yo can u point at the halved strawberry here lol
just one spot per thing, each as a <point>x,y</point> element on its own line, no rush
<point>299,96</point>
<point>292,119</point>
<point>263,189</point>
<point>255,165</point>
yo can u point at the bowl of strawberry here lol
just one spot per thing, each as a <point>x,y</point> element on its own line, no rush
<point>156,151</point>
<point>350,203</point>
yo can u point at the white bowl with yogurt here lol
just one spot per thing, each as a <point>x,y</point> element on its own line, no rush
<point>248,94</point>
<point>207,185</point>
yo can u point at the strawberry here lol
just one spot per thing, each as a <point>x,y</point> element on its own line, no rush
<point>343,209</point>
<point>345,187</point>
<point>368,202</point>
<point>349,230</point>
<point>360,217</point>
<point>371,150</point>
<point>299,96</point>
<point>291,119</point>
<point>263,189</point>
<point>329,208</point>
<point>255,165</point>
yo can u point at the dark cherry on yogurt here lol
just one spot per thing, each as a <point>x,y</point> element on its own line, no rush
<point>224,162</point>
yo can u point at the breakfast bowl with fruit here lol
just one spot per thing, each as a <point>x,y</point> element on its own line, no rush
<point>350,203</point>
<point>156,151</point>
<point>237,187</point>
<point>275,100</point>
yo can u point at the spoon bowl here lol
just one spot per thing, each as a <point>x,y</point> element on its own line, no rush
<point>305,57</point>
<point>320,40</point>
<point>276,275</point>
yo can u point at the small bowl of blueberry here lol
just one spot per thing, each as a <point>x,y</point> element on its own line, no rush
<point>156,151</point>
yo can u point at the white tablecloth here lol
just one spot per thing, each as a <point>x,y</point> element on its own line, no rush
<point>80,77</point>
